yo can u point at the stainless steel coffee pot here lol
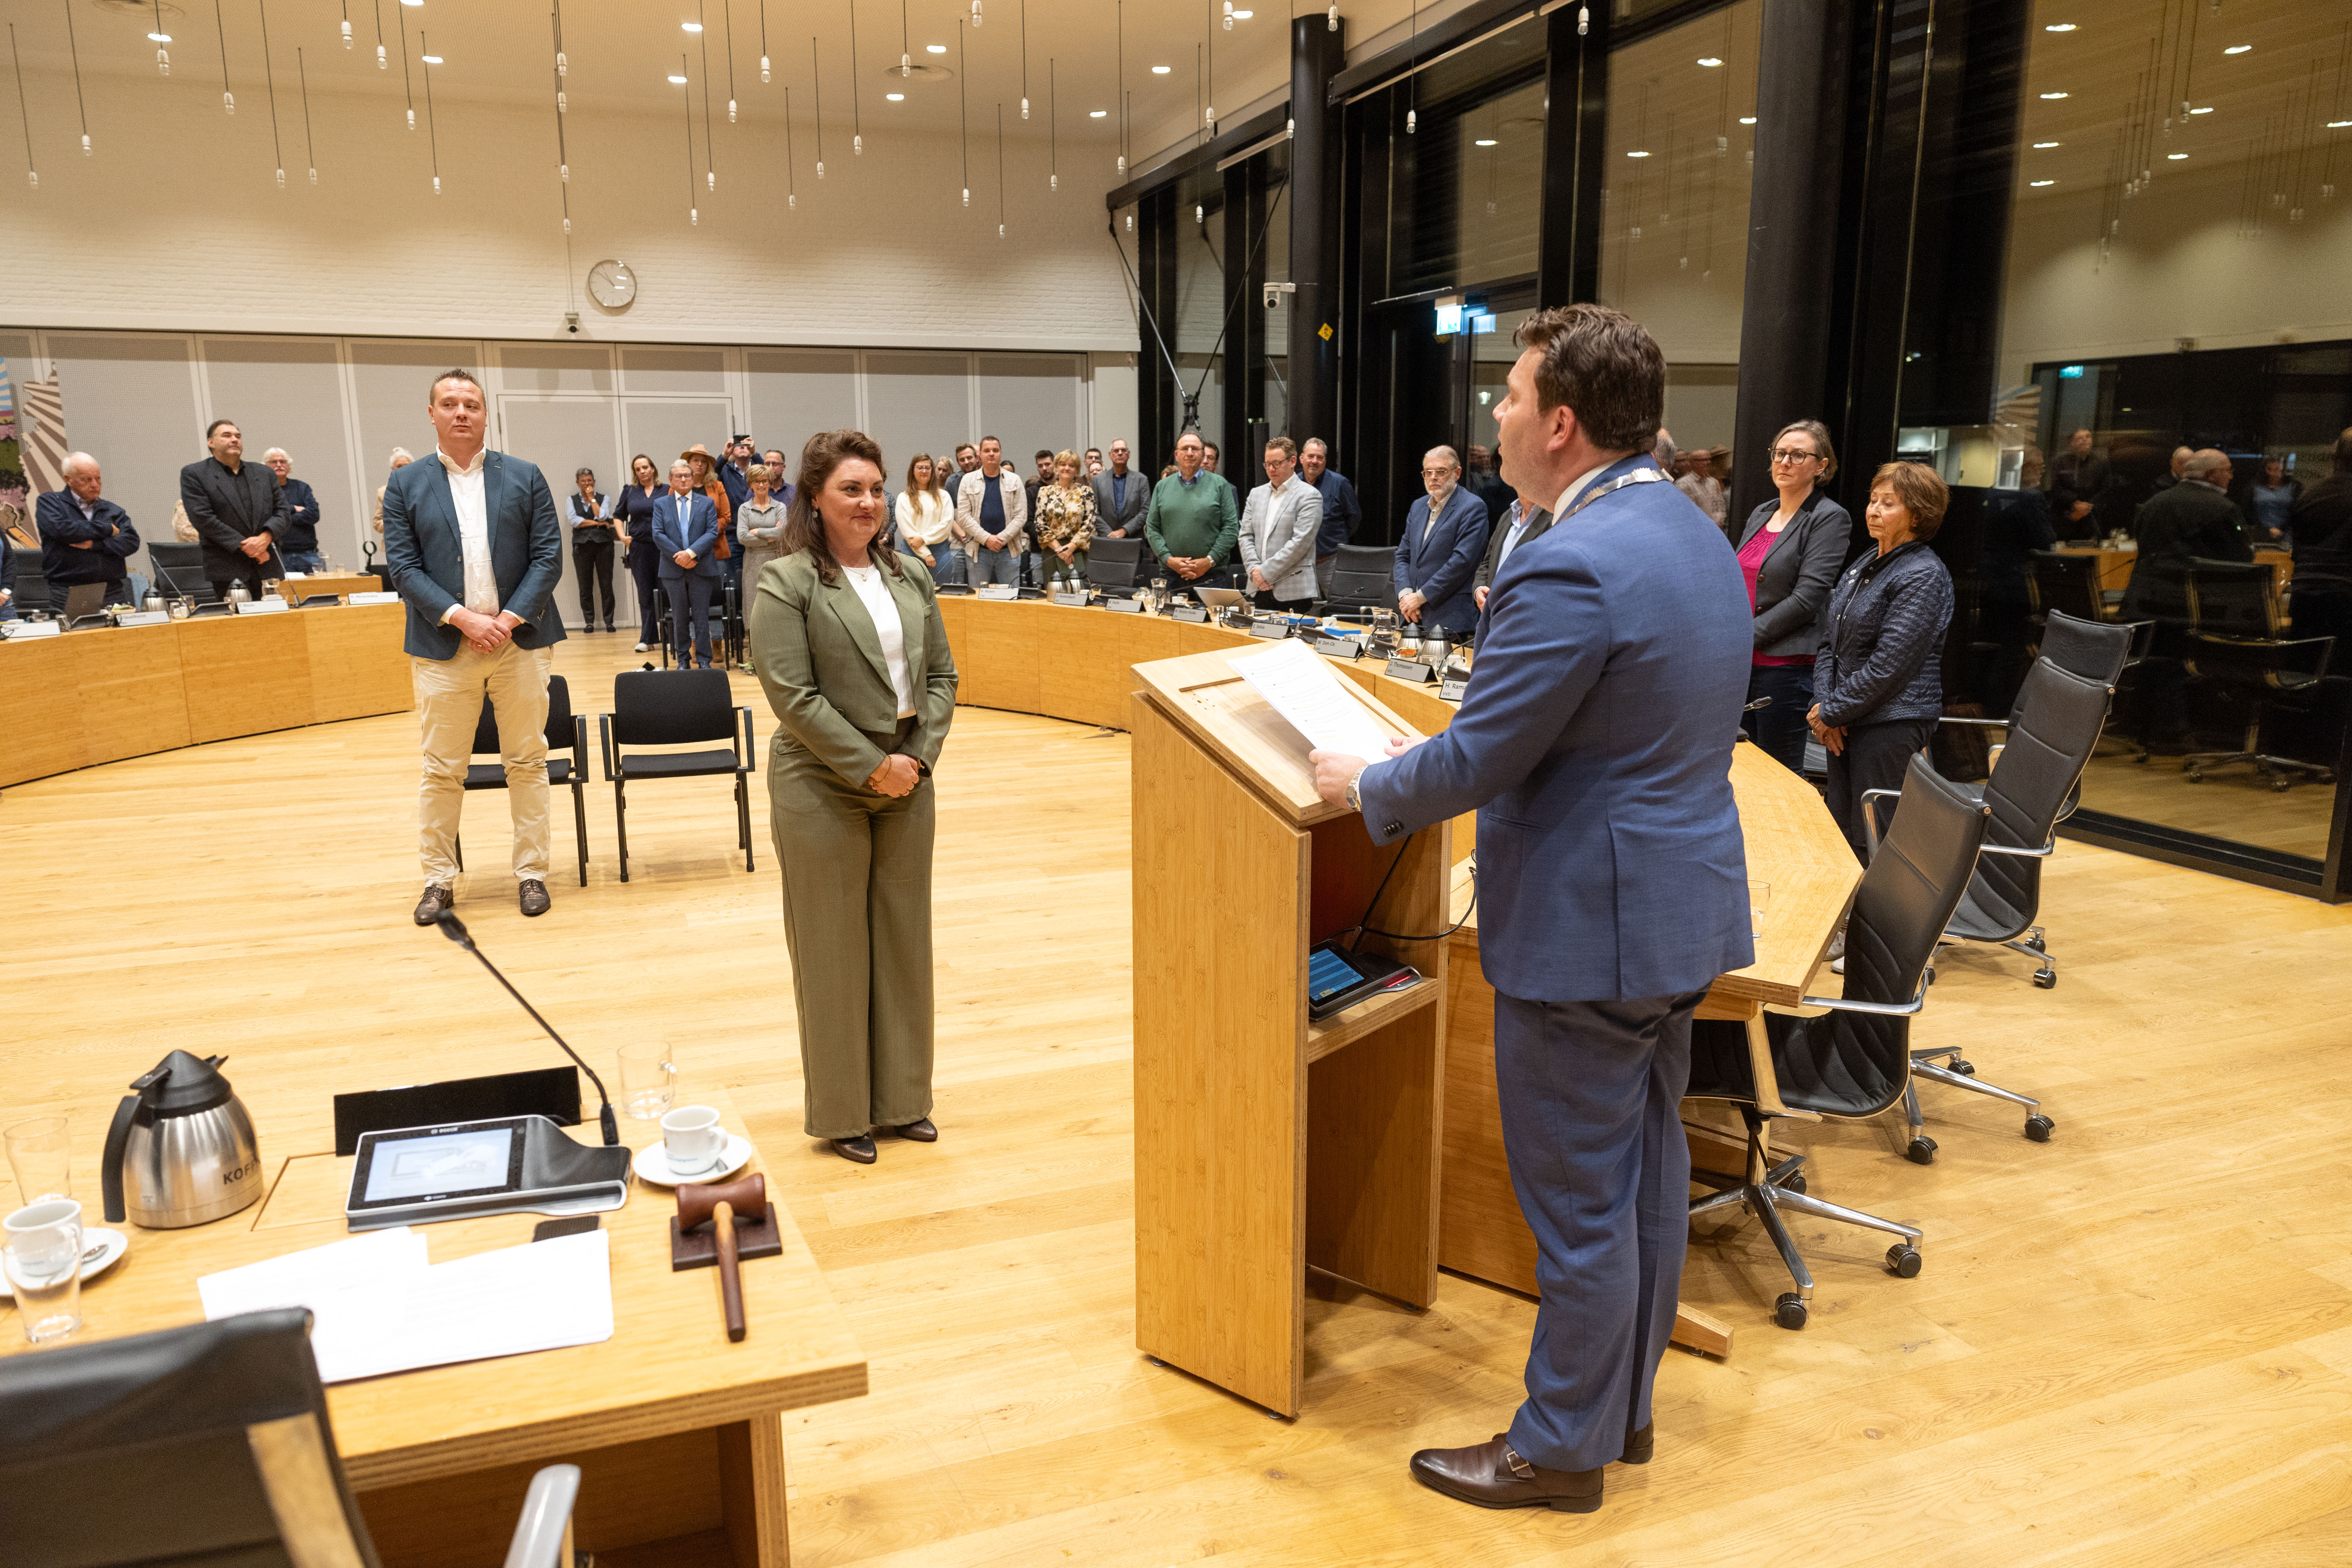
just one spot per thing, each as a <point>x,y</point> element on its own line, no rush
<point>182,1149</point>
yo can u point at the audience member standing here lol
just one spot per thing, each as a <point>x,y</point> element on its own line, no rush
<point>2017,524</point>
<point>1525,521</point>
<point>1094,462</point>
<point>85,538</point>
<point>476,549</point>
<point>2079,481</point>
<point>704,470</point>
<point>1879,677</point>
<point>237,510</point>
<point>1122,497</point>
<point>1444,536</point>
<point>2322,529</point>
<point>760,522</point>
<point>1193,521</point>
<point>926,521</point>
<point>2194,520</point>
<point>1209,456</point>
<point>400,459</point>
<point>1341,510</point>
<point>1035,486</point>
<point>735,472</point>
<point>1789,551</point>
<point>589,518</point>
<point>2272,500</point>
<point>299,545</point>
<point>1066,523</point>
<point>992,509</point>
<point>1279,530</point>
<point>687,532</point>
<point>1697,481</point>
<point>855,660</point>
<point>633,514</point>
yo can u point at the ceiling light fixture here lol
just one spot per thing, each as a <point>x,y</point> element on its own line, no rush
<point>1097,114</point>
<point>2332,125</point>
<point>690,26</point>
<point>1709,61</point>
<point>2053,95</point>
<point>2038,184</point>
<point>159,38</point>
<point>1162,71</point>
<point>2176,157</point>
<point>430,59</point>
<point>2059,27</point>
<point>935,48</point>
<point>2040,146</point>
<point>1747,119</point>
<point>896,97</point>
<point>2237,48</point>
<point>1485,142</point>
<point>2209,108</point>
<point>1637,154</point>
<point>1243,16</point>
<point>677,82</point>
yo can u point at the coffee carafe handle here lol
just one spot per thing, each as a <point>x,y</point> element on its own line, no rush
<point>110,1173</point>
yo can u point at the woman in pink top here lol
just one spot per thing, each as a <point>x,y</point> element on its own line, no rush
<point>1791,550</point>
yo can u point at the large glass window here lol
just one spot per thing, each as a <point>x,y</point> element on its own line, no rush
<point>1470,172</point>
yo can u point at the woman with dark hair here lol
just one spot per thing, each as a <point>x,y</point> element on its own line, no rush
<point>1878,678</point>
<point>591,517</point>
<point>851,651</point>
<point>1789,551</point>
<point>2270,503</point>
<point>633,514</point>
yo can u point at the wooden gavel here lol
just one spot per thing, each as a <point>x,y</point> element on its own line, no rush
<point>721,1205</point>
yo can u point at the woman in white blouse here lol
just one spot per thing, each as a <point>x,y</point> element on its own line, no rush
<point>927,520</point>
<point>849,648</point>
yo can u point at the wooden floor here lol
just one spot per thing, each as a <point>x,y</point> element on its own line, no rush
<point>2133,1344</point>
<point>2231,802</point>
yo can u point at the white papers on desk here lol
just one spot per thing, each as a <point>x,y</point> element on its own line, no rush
<point>379,1306</point>
<point>1297,684</point>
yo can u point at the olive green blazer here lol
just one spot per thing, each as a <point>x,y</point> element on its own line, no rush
<point>816,652</point>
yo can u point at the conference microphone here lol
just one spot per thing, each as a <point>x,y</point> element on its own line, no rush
<point>455,929</point>
<point>1759,703</point>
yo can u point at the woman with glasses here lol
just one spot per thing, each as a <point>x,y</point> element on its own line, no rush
<point>633,512</point>
<point>1790,551</point>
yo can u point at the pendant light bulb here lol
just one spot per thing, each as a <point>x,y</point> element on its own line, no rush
<point>1053,182</point>
<point>228,101</point>
<point>820,168</point>
<point>975,12</point>
<point>1024,109</point>
<point>1200,215</point>
<point>730,112</point>
<point>694,217</point>
<point>1131,222</point>
<point>381,62</point>
<point>1331,21</point>
<point>564,172</point>
<point>967,196</point>
<point>1229,16</point>
<point>763,68</point>
<point>857,146</point>
<point>562,66</point>
<point>436,184</point>
<point>35,178</point>
<point>712,176</point>
<point>999,231</point>
<point>1122,163</point>
<point>1583,20</point>
<point>412,119</point>
<point>282,179</point>
<point>791,202</point>
<point>314,176</point>
<point>1411,119</point>
<point>906,65</point>
<point>347,33</point>
<point>1290,129</point>
<point>85,153</point>
<point>163,62</point>
<point>562,103</point>
<point>567,228</point>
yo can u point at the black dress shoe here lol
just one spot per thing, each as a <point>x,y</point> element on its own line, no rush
<point>857,1151</point>
<point>534,898</point>
<point>921,1130</point>
<point>1639,1445</point>
<point>435,899</point>
<point>1491,1475</point>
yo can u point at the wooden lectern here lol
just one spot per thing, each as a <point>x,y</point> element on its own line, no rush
<point>1265,1144</point>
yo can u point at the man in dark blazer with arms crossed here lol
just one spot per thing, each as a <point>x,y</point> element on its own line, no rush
<point>1595,742</point>
<point>476,549</point>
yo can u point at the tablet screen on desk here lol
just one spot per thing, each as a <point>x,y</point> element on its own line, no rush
<point>1327,974</point>
<point>471,1160</point>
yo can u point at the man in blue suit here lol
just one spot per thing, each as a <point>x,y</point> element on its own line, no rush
<point>685,525</point>
<point>1595,742</point>
<point>474,546</point>
<point>1444,539</point>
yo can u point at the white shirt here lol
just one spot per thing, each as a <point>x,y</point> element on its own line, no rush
<point>875,595</point>
<point>924,517</point>
<point>481,594</point>
<point>1576,488</point>
<point>1437,503</point>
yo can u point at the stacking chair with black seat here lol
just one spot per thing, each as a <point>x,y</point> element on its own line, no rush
<point>565,732</point>
<point>1363,577</point>
<point>677,708</point>
<point>180,571</point>
<point>2236,639</point>
<point>1854,1061</point>
<point>207,1444</point>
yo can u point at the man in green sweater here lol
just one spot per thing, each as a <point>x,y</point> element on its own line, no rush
<point>1194,519</point>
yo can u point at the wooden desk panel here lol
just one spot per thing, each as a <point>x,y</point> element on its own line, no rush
<point>44,706</point>
<point>1079,674</point>
<point>133,699</point>
<point>357,667</point>
<point>1002,645</point>
<point>244,675</point>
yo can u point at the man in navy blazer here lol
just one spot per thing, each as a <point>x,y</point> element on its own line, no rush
<point>1595,742</point>
<point>686,526</point>
<point>475,548</point>
<point>1444,539</point>
<point>85,538</point>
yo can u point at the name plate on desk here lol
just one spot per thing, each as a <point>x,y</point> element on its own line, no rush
<point>26,631</point>
<point>1409,670</point>
<point>1075,601</point>
<point>374,599</point>
<point>1196,614</point>
<point>1124,607</point>
<point>1452,691</point>
<point>1272,630</point>
<point>997,591</point>
<point>146,618</point>
<point>1340,648</point>
<point>264,607</point>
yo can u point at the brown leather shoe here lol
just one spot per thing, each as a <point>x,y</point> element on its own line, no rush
<point>857,1151</point>
<point>923,1130</point>
<point>1491,1475</point>
<point>1639,1445</point>
<point>533,896</point>
<point>435,899</point>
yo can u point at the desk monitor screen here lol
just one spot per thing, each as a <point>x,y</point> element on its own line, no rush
<point>428,1162</point>
<point>1327,974</point>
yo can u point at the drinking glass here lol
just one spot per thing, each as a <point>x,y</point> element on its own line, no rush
<point>43,1259</point>
<point>648,1081</point>
<point>1159,595</point>
<point>37,1156</point>
<point>1760,903</point>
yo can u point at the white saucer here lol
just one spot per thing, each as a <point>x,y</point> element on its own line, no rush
<point>652,1164</point>
<point>110,1246</point>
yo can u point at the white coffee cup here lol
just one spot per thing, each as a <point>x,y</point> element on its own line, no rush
<point>693,1138</point>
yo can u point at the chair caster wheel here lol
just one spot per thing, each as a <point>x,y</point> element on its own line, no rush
<point>1964,1067</point>
<point>1922,1150</point>
<point>1789,1311</point>
<point>2039,1128</point>
<point>1902,1261</point>
<point>2047,979</point>
<point>2280,786</point>
<point>1795,1184</point>
<point>1156,1362</point>
<point>2193,775</point>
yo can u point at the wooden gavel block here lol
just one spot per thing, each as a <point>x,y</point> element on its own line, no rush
<point>741,1226</point>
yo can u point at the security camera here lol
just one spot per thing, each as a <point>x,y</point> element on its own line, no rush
<point>1275,292</point>
<point>572,322</point>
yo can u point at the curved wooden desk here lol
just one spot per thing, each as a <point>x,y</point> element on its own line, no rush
<point>1037,658</point>
<point>104,694</point>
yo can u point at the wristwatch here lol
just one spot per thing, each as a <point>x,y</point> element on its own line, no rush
<point>1355,792</point>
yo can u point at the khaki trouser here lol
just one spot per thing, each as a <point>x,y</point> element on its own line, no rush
<point>857,919</point>
<point>448,707</point>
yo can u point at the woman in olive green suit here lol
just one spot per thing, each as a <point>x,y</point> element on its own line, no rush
<point>848,641</point>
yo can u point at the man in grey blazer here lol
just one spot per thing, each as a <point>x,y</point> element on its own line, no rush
<point>474,546</point>
<point>1121,497</point>
<point>1280,523</point>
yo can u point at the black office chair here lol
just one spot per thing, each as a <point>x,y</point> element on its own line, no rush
<point>207,1444</point>
<point>1115,565</point>
<point>1363,578</point>
<point>180,571</point>
<point>2067,584</point>
<point>564,730</point>
<point>1854,1061</point>
<point>2103,651</point>
<point>676,708</point>
<point>2235,640</point>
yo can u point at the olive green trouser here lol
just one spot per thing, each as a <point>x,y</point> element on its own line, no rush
<point>857,918</point>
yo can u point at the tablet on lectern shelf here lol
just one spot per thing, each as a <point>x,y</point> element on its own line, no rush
<point>1338,978</point>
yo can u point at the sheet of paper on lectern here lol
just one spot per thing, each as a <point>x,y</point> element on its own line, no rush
<point>1297,684</point>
